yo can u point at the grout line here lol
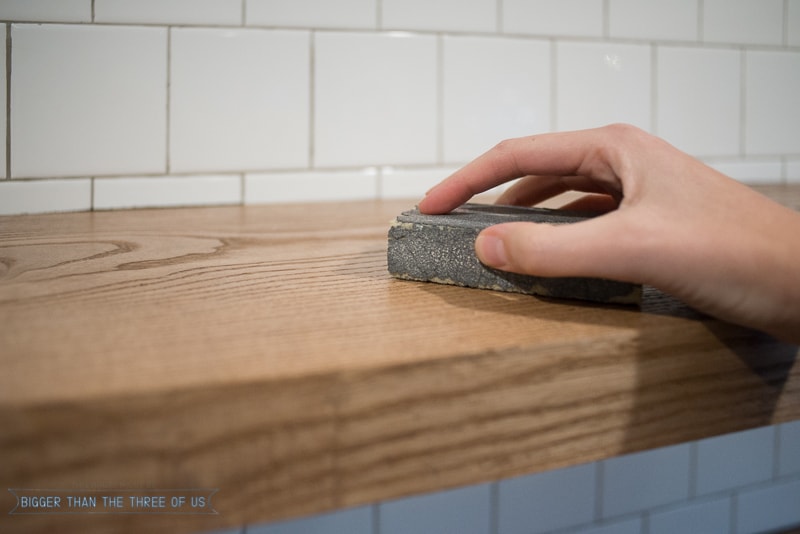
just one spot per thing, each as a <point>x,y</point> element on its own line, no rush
<point>553,85</point>
<point>784,170</point>
<point>242,188</point>
<point>654,89</point>
<point>785,28</point>
<point>494,508</point>
<point>700,21</point>
<point>693,455</point>
<point>599,474</point>
<point>691,43</point>
<point>743,102</point>
<point>606,18</point>
<point>7,170</point>
<point>734,512</point>
<point>244,12</point>
<point>91,193</point>
<point>645,522</point>
<point>776,446</point>
<point>93,11</point>
<point>168,131</point>
<point>312,61</point>
<point>378,14</point>
<point>376,518</point>
<point>440,100</point>
<point>499,15</point>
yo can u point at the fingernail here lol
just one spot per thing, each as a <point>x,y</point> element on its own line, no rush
<point>491,251</point>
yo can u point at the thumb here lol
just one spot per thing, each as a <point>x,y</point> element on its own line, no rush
<point>603,247</point>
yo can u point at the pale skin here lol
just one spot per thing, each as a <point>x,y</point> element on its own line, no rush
<point>669,221</point>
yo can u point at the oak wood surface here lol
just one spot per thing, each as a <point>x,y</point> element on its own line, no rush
<point>265,352</point>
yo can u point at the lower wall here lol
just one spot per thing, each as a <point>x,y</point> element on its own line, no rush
<point>739,483</point>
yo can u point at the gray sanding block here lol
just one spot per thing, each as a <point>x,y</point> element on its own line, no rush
<point>441,249</point>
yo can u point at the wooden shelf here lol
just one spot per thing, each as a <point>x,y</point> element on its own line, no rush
<point>265,352</point>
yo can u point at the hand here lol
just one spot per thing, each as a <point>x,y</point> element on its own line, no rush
<point>670,222</point>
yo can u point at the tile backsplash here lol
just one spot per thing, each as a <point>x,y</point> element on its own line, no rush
<point>128,103</point>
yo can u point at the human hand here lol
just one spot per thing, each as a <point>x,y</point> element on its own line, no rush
<point>671,222</point>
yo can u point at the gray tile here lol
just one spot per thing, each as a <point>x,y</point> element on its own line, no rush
<point>735,460</point>
<point>459,511</point>
<point>547,501</point>
<point>789,457</point>
<point>769,508</point>
<point>350,521</point>
<point>643,480</point>
<point>698,517</point>
<point>626,526</point>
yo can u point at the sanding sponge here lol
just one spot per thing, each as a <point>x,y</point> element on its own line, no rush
<point>441,249</point>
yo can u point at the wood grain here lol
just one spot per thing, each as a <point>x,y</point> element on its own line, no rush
<point>266,352</point>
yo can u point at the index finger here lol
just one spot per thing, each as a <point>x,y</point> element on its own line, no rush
<point>554,154</point>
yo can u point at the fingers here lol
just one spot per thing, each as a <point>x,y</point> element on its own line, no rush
<point>531,190</point>
<point>586,153</point>
<point>593,203</point>
<point>604,247</point>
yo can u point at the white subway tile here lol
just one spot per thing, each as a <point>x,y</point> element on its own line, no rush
<point>463,510</point>
<point>772,94</point>
<point>743,21</point>
<point>169,11</point>
<point>644,480</point>
<point>699,99</point>
<point>734,460</point>
<point>768,509</point>
<point>547,501</point>
<point>46,10</point>
<point>375,99</point>
<point>239,99</point>
<point>789,447</point>
<point>165,191</point>
<point>653,19</point>
<point>751,172</point>
<point>399,182</point>
<point>317,186</point>
<point>88,100</point>
<point>602,83</point>
<point>350,521</point>
<point>3,115</point>
<point>696,516</point>
<point>793,23</point>
<point>494,89</point>
<point>345,14</point>
<point>582,18</point>
<point>446,15</point>
<point>41,196</point>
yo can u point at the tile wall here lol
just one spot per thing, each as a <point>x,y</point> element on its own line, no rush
<point>742,483</point>
<point>108,104</point>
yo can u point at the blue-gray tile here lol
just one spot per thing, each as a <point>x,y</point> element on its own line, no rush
<point>626,526</point>
<point>643,480</point>
<point>698,517</point>
<point>460,511</point>
<point>735,460</point>
<point>765,509</point>
<point>789,457</point>
<point>350,521</point>
<point>234,530</point>
<point>547,501</point>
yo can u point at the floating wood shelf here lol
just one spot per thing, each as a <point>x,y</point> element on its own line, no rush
<point>265,351</point>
